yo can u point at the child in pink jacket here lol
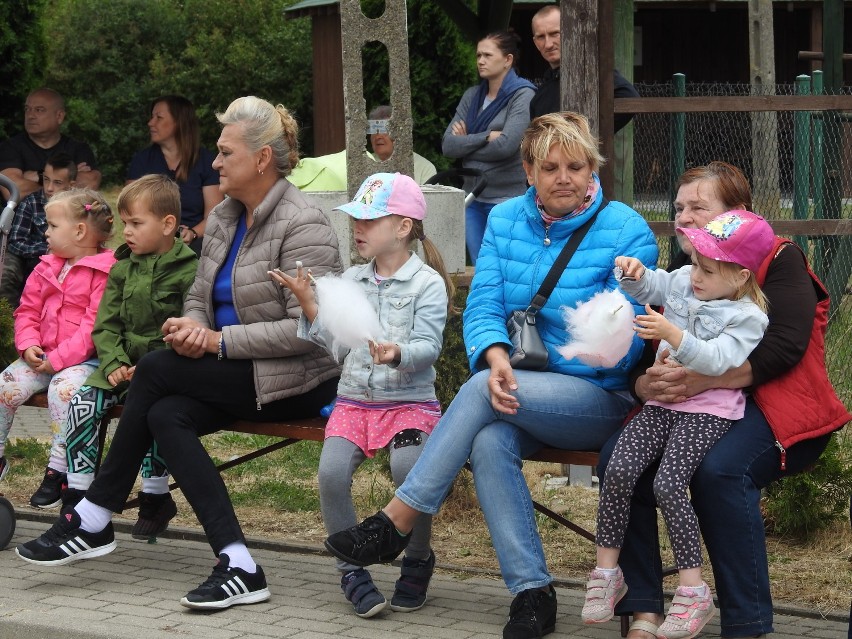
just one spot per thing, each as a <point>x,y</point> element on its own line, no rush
<point>53,324</point>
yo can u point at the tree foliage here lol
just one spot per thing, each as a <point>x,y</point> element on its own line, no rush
<point>21,58</point>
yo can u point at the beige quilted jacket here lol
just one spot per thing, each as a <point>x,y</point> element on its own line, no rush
<point>286,227</point>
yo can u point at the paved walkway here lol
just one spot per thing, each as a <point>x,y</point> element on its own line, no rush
<point>134,592</point>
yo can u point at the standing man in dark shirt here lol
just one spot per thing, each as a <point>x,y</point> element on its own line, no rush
<point>547,39</point>
<point>23,156</point>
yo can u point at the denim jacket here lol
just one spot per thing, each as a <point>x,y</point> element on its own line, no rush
<point>719,334</point>
<point>412,309</point>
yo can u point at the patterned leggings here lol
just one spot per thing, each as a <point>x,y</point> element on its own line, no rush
<point>88,406</point>
<point>19,382</point>
<point>680,440</point>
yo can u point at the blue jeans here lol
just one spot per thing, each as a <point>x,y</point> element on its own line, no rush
<point>475,219</point>
<point>556,410</point>
<point>726,497</point>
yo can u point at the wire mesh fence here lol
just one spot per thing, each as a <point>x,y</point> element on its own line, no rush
<point>799,164</point>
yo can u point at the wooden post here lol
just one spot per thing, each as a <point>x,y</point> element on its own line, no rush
<point>623,47</point>
<point>764,126</point>
<point>579,72</point>
<point>606,88</point>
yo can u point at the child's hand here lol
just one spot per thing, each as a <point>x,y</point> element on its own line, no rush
<point>630,267</point>
<point>300,286</point>
<point>45,367</point>
<point>120,374</point>
<point>385,353</point>
<point>33,357</point>
<point>655,326</point>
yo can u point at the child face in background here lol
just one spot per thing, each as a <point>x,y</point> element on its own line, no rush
<point>709,282</point>
<point>145,232</point>
<point>56,180</point>
<point>377,237</point>
<point>63,233</point>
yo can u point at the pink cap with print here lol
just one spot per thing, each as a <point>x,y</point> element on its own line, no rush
<point>384,194</point>
<point>740,237</point>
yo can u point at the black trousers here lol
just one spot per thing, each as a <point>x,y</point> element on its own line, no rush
<point>173,400</point>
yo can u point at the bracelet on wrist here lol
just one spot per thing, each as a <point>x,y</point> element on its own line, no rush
<point>193,231</point>
<point>222,351</point>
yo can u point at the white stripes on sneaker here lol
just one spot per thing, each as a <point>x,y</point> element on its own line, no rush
<point>74,546</point>
<point>235,586</point>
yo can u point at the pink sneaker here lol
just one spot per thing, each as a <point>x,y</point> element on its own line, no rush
<point>688,614</point>
<point>602,594</point>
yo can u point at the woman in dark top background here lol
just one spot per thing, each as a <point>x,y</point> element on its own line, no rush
<point>176,152</point>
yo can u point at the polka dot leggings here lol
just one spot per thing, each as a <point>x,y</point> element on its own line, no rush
<point>680,441</point>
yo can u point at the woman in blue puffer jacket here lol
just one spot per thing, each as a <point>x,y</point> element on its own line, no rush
<point>500,415</point>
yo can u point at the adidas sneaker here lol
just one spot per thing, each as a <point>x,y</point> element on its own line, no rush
<point>66,542</point>
<point>227,587</point>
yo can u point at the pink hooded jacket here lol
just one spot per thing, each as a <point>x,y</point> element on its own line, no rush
<point>59,317</point>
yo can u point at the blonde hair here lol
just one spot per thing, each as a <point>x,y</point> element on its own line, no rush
<point>567,130</point>
<point>160,193</point>
<point>729,272</point>
<point>434,260</point>
<point>266,125</point>
<point>87,206</point>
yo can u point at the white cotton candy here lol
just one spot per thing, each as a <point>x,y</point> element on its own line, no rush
<point>346,313</point>
<point>602,330</point>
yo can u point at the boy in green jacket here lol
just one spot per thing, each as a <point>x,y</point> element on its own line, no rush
<point>146,286</point>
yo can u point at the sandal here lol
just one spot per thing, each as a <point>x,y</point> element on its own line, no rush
<point>688,614</point>
<point>643,626</point>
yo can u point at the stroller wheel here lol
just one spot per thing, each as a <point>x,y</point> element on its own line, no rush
<point>7,522</point>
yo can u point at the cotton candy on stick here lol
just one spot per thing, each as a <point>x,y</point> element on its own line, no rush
<point>602,330</point>
<point>346,313</point>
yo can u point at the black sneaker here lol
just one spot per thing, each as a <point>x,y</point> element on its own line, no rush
<point>226,587</point>
<point>410,591</point>
<point>4,467</point>
<point>362,593</point>
<point>532,614</point>
<point>155,512</point>
<point>66,542</point>
<point>72,496</point>
<point>49,494</point>
<point>374,541</point>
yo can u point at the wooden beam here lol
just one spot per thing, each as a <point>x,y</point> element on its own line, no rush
<point>735,103</point>
<point>606,63</point>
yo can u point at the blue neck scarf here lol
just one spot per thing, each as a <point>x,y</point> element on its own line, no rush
<point>477,122</point>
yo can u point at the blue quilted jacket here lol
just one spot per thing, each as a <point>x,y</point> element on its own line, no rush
<point>514,261</point>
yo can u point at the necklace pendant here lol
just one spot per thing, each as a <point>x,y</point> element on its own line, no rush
<point>547,241</point>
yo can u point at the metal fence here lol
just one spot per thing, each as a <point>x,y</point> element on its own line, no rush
<point>786,156</point>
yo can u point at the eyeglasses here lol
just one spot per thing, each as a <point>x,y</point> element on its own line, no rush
<point>377,126</point>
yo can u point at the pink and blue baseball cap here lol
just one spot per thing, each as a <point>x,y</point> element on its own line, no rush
<point>740,237</point>
<point>384,194</point>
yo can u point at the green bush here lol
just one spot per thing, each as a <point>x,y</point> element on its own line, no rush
<point>810,501</point>
<point>21,59</point>
<point>7,335</point>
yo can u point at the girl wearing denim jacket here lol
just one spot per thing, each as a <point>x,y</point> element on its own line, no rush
<point>386,396</point>
<point>715,314</point>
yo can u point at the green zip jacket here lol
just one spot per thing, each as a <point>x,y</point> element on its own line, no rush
<point>141,293</point>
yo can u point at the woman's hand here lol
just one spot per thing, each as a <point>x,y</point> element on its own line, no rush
<point>631,267</point>
<point>386,353</point>
<point>493,135</point>
<point>459,128</point>
<point>188,234</point>
<point>501,380</point>
<point>189,338</point>
<point>301,287</point>
<point>668,381</point>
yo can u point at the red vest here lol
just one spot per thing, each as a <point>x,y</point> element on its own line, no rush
<point>801,403</point>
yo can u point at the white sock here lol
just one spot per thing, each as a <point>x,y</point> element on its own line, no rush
<point>240,556</point>
<point>607,572</point>
<point>80,481</point>
<point>93,518</point>
<point>700,591</point>
<point>155,485</point>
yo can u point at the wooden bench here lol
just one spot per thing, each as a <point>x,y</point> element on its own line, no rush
<point>313,429</point>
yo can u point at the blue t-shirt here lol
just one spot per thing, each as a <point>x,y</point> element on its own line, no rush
<point>224,312</point>
<point>152,160</point>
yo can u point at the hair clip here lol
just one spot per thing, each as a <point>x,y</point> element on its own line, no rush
<point>88,207</point>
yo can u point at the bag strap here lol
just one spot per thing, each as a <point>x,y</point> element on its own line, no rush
<point>561,262</point>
